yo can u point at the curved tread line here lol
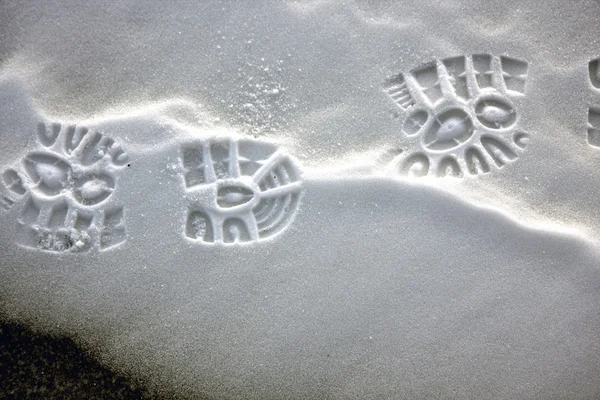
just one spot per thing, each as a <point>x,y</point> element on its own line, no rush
<point>448,166</point>
<point>282,223</point>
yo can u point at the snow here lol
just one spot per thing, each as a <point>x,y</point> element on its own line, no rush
<point>361,278</point>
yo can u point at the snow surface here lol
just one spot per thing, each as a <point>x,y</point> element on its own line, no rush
<point>376,285</point>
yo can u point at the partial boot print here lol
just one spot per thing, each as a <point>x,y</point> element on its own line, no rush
<point>458,116</point>
<point>238,190</point>
<point>64,191</point>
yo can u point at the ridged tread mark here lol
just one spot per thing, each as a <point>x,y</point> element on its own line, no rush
<point>249,190</point>
<point>462,109</point>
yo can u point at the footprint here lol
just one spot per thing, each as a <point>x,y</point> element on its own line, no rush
<point>64,191</point>
<point>459,118</point>
<point>238,190</point>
